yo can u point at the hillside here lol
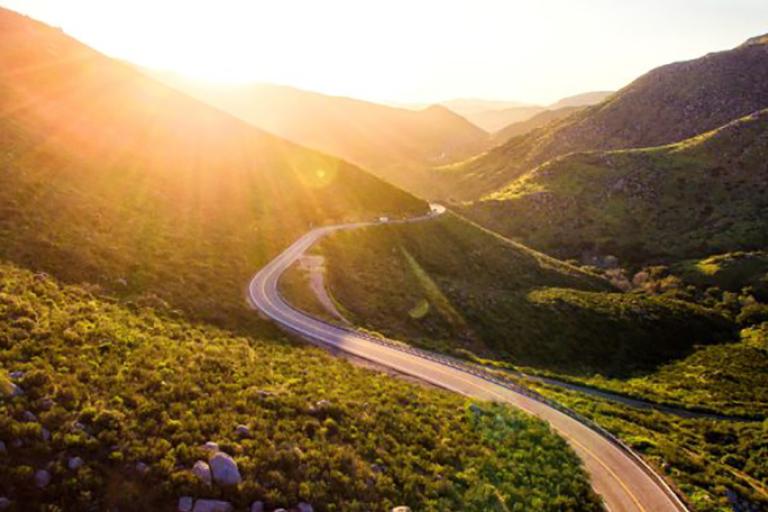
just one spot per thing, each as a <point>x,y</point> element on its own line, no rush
<point>452,286</point>
<point>115,403</point>
<point>537,121</point>
<point>669,104</point>
<point>702,196</point>
<point>393,143</point>
<point>112,178</point>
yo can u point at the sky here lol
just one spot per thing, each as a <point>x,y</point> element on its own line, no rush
<point>409,51</point>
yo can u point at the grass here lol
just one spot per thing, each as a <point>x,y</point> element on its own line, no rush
<point>503,301</point>
<point>119,383</point>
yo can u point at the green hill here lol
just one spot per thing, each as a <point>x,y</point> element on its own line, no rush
<point>705,195</point>
<point>112,178</point>
<point>118,385</point>
<point>396,144</point>
<point>447,284</point>
<point>669,104</point>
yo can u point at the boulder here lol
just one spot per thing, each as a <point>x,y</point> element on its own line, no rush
<point>224,469</point>
<point>185,504</point>
<point>45,434</point>
<point>305,507</point>
<point>142,468</point>
<point>75,463</point>
<point>401,508</point>
<point>257,506</point>
<point>42,478</point>
<point>16,375</point>
<point>212,506</point>
<point>5,503</point>
<point>3,449</point>
<point>202,470</point>
<point>242,430</point>
<point>28,416</point>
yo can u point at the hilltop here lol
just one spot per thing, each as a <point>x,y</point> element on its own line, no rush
<point>704,195</point>
<point>668,104</point>
<point>393,143</point>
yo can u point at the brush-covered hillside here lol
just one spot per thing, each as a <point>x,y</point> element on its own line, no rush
<point>449,285</point>
<point>396,144</point>
<point>112,178</point>
<point>107,406</point>
<point>669,104</point>
<point>702,196</point>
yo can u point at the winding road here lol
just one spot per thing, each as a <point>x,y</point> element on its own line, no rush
<point>617,474</point>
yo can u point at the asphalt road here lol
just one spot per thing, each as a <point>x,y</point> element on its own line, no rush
<point>619,476</point>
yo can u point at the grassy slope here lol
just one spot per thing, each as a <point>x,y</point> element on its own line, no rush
<point>112,178</point>
<point>148,386</point>
<point>727,378</point>
<point>539,120</point>
<point>666,105</point>
<point>499,299</point>
<point>701,196</point>
<point>729,271</point>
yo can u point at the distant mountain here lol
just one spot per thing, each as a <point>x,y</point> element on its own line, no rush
<point>537,121</point>
<point>704,195</point>
<point>666,105</point>
<point>582,100</point>
<point>393,143</point>
<point>494,120</point>
<point>113,178</point>
<point>469,106</point>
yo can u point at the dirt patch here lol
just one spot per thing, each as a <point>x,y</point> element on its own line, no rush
<point>314,268</point>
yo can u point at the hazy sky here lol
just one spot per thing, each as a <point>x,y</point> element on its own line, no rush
<point>410,50</point>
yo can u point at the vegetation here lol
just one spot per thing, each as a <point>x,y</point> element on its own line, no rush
<point>730,272</point>
<point>117,384</point>
<point>719,465</point>
<point>730,378</point>
<point>705,195</point>
<point>500,300</point>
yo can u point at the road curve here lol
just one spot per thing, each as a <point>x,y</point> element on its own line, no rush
<point>620,477</point>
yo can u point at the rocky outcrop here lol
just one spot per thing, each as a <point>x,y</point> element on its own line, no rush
<point>212,506</point>
<point>202,471</point>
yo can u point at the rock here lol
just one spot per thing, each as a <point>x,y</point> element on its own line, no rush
<point>257,506</point>
<point>16,375</point>
<point>42,478</point>
<point>202,470</point>
<point>305,507</point>
<point>211,446</point>
<point>28,416</point>
<point>401,508</point>
<point>377,468</point>
<point>322,404</point>
<point>75,463</point>
<point>5,503</point>
<point>279,510</point>
<point>185,504</point>
<point>142,468</point>
<point>224,469</point>
<point>3,449</point>
<point>15,390</point>
<point>243,430</point>
<point>46,404</point>
<point>212,506</point>
<point>17,443</point>
<point>45,434</point>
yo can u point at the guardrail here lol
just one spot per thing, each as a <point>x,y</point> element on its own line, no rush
<point>486,375</point>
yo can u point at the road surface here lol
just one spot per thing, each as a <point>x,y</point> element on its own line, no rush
<point>620,477</point>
